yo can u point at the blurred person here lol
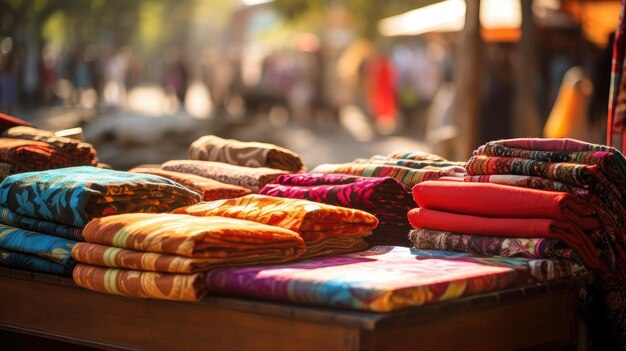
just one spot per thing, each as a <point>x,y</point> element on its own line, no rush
<point>48,74</point>
<point>115,70</point>
<point>8,86</point>
<point>381,90</point>
<point>176,78</point>
<point>30,76</point>
<point>81,77</point>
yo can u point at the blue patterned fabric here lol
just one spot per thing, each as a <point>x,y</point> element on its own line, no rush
<point>41,226</point>
<point>46,246</point>
<point>74,195</point>
<point>33,263</point>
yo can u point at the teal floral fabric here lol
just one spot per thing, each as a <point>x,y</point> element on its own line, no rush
<point>49,247</point>
<point>32,263</point>
<point>74,195</point>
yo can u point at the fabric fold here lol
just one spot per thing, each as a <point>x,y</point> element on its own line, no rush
<point>247,154</point>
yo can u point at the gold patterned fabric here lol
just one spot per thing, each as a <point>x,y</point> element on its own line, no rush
<point>248,154</point>
<point>326,229</point>
<point>166,286</point>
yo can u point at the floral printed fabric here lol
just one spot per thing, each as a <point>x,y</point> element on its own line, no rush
<point>325,229</point>
<point>247,177</point>
<point>405,175</point>
<point>430,239</point>
<point>82,153</point>
<point>51,248</point>
<point>165,286</point>
<point>384,197</point>
<point>29,155</point>
<point>73,196</point>
<point>248,154</point>
<point>209,189</point>
<point>64,231</point>
<point>363,281</point>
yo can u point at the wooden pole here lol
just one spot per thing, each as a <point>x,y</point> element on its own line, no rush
<point>467,80</point>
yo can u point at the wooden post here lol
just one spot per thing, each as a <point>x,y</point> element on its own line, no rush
<point>527,121</point>
<point>467,80</point>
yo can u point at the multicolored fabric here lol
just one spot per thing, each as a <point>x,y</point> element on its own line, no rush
<point>7,122</point>
<point>312,220</point>
<point>502,201</point>
<point>430,239</point>
<point>73,196</point>
<point>247,177</point>
<point>416,156</point>
<point>336,245</point>
<point>384,197</point>
<point>381,279</point>
<point>407,176</point>
<point>30,155</point>
<point>617,92</point>
<point>569,233</point>
<point>83,153</point>
<point>612,164</point>
<point>407,163</point>
<point>248,154</point>
<point>220,238</point>
<point>528,182</point>
<point>164,286</point>
<point>46,246</point>
<point>32,263</point>
<point>582,176</point>
<point>529,270</point>
<point>14,220</point>
<point>209,189</point>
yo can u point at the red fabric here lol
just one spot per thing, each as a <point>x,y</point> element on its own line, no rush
<point>502,201</point>
<point>572,235</point>
<point>7,122</point>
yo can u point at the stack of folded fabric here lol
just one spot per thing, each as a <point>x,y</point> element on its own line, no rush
<point>594,173</point>
<point>409,168</point>
<point>384,197</point>
<point>209,189</point>
<point>83,154</point>
<point>247,154</point>
<point>247,177</point>
<point>384,278</point>
<point>50,208</point>
<point>162,256</point>
<point>326,229</point>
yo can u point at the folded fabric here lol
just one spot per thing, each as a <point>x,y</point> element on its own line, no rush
<point>583,176</point>
<point>430,239</point>
<point>312,220</point>
<point>405,175</point>
<point>502,201</point>
<point>165,286</point>
<point>226,239</point>
<point>384,197</point>
<point>46,246</point>
<point>81,152</point>
<point>381,279</point>
<point>416,156</point>
<point>613,164</point>
<point>42,226</point>
<point>528,270</point>
<point>209,189</point>
<point>336,245</point>
<point>247,177</point>
<point>7,122</point>
<point>407,163</point>
<point>248,154</point>
<point>73,196</point>
<point>29,155</point>
<point>528,182</point>
<point>29,262</point>
<point>569,233</point>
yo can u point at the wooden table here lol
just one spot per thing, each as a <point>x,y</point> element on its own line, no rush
<point>49,306</point>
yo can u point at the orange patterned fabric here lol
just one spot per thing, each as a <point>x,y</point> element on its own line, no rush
<point>198,237</point>
<point>209,189</point>
<point>312,220</point>
<point>166,286</point>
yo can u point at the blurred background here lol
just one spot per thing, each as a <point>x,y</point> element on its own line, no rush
<point>331,79</point>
